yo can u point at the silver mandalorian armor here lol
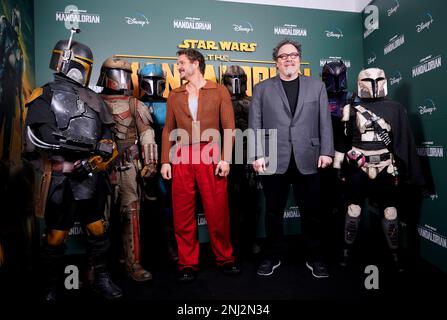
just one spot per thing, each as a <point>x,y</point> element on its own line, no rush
<point>79,126</point>
<point>371,157</point>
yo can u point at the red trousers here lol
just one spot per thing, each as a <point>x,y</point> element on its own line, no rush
<point>187,177</point>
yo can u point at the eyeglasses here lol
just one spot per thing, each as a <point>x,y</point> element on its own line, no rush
<point>292,55</point>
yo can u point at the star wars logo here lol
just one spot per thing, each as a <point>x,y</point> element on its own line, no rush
<point>218,45</point>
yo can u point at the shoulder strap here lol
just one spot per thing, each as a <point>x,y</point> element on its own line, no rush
<point>363,112</point>
<point>383,134</point>
<point>133,106</point>
<point>133,112</point>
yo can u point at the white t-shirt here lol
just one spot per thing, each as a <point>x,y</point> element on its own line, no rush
<point>193,104</point>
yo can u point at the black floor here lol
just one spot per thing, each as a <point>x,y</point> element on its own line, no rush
<point>291,284</point>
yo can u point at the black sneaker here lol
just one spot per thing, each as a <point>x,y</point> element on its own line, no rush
<point>319,269</point>
<point>267,267</point>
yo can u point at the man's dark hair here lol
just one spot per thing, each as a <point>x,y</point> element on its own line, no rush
<point>284,42</point>
<point>194,55</point>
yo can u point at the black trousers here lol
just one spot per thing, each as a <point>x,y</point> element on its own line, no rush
<point>63,210</point>
<point>243,208</point>
<point>306,189</point>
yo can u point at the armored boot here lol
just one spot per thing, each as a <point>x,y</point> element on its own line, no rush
<point>51,254</point>
<point>352,221</point>
<point>345,256</point>
<point>51,268</point>
<point>397,262</point>
<point>131,241</point>
<point>103,285</point>
<point>391,231</point>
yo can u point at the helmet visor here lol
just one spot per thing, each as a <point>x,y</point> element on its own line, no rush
<point>117,79</point>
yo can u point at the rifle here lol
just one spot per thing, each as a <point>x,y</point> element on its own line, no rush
<point>94,163</point>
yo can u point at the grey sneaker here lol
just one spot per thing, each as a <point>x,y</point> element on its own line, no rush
<point>318,268</point>
<point>267,267</point>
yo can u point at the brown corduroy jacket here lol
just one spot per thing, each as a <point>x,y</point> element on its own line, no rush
<point>215,111</point>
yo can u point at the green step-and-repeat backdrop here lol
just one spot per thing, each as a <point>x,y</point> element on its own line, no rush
<point>410,46</point>
<point>226,33</point>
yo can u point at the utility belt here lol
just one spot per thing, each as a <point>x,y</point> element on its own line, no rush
<point>130,154</point>
<point>127,156</point>
<point>378,158</point>
<point>374,162</point>
<point>357,158</point>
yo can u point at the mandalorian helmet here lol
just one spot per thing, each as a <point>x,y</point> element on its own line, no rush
<point>235,80</point>
<point>116,75</point>
<point>334,76</point>
<point>372,83</point>
<point>152,81</point>
<point>72,59</point>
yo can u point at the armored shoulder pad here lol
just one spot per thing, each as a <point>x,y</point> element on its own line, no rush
<point>37,92</point>
<point>143,111</point>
